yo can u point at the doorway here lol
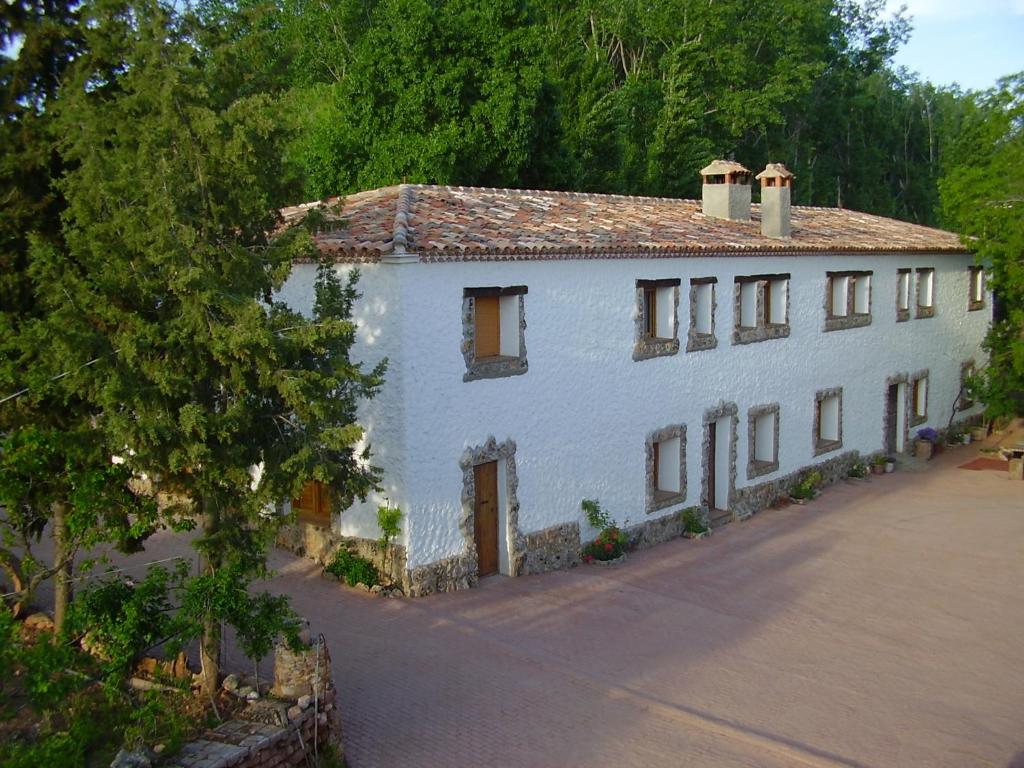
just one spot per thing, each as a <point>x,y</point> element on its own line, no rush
<point>485,517</point>
<point>718,464</point>
<point>895,417</point>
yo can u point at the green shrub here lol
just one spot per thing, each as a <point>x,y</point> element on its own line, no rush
<point>807,488</point>
<point>352,568</point>
<point>693,522</point>
<point>860,469</point>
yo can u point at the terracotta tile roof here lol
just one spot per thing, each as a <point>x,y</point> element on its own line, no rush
<point>473,223</point>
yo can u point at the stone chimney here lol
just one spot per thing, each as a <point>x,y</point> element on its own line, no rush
<point>776,182</point>
<point>726,191</point>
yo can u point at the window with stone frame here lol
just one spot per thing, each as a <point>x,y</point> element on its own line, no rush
<point>494,332</point>
<point>763,440</point>
<point>925,292</point>
<point>918,398</point>
<point>966,399</point>
<point>761,308</point>
<point>828,420</point>
<point>657,318</point>
<point>902,295</point>
<point>847,300</point>
<point>666,467</point>
<point>976,286</point>
<point>702,314</point>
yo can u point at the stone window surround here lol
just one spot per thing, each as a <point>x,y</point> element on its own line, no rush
<point>651,502</point>
<point>492,367</point>
<point>764,330</point>
<point>712,415</point>
<point>922,311</point>
<point>902,315</point>
<point>912,418</point>
<point>899,378</point>
<point>696,342</point>
<point>491,450</point>
<point>972,305</point>
<point>757,468</point>
<point>826,446</point>
<point>851,319</point>
<point>965,401</point>
<point>646,347</point>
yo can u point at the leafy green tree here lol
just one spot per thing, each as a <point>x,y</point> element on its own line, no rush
<point>983,198</point>
<point>227,398</point>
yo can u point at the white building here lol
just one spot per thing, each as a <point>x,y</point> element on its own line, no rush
<point>655,354</point>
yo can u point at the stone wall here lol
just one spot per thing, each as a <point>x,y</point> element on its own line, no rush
<point>456,572</point>
<point>277,733</point>
<point>552,549</point>
<point>753,498</point>
<point>319,542</point>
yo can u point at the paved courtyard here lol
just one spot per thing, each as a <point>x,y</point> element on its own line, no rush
<point>880,625</point>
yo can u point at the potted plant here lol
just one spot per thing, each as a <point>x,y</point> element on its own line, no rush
<point>890,464</point>
<point>925,445</point>
<point>878,464</point>
<point>610,545</point>
<point>858,471</point>
<point>694,526</point>
<point>807,488</point>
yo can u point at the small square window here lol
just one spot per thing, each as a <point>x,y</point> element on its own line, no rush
<point>925,292</point>
<point>918,398</point>
<point>828,420</point>
<point>493,332</point>
<point>902,295</point>
<point>702,315</point>
<point>761,308</point>
<point>976,284</point>
<point>657,331</point>
<point>666,467</point>
<point>763,437</point>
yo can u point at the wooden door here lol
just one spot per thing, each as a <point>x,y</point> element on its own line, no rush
<point>485,517</point>
<point>711,461</point>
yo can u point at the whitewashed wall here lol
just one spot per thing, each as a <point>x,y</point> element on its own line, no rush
<point>379,335</point>
<point>580,415</point>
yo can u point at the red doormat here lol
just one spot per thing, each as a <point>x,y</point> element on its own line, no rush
<point>985,463</point>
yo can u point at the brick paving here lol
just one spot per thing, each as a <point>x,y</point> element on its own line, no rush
<point>879,625</point>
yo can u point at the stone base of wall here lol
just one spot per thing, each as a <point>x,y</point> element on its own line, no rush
<point>456,572</point>
<point>651,532</point>
<point>552,549</point>
<point>752,499</point>
<point>277,733</point>
<point>319,542</point>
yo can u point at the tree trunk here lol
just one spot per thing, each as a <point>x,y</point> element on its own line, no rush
<point>62,559</point>
<point>209,644</point>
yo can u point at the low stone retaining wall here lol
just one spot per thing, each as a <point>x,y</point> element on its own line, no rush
<point>280,732</point>
<point>319,542</point>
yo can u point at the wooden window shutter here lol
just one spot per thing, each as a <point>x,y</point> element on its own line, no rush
<point>651,312</point>
<point>488,327</point>
<point>657,456</point>
<point>767,302</point>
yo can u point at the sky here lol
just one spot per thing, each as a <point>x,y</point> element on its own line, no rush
<point>968,42</point>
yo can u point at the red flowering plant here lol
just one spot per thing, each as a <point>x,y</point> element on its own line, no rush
<point>610,542</point>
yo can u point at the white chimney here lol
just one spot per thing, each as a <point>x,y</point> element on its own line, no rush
<point>776,183</point>
<point>726,191</point>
